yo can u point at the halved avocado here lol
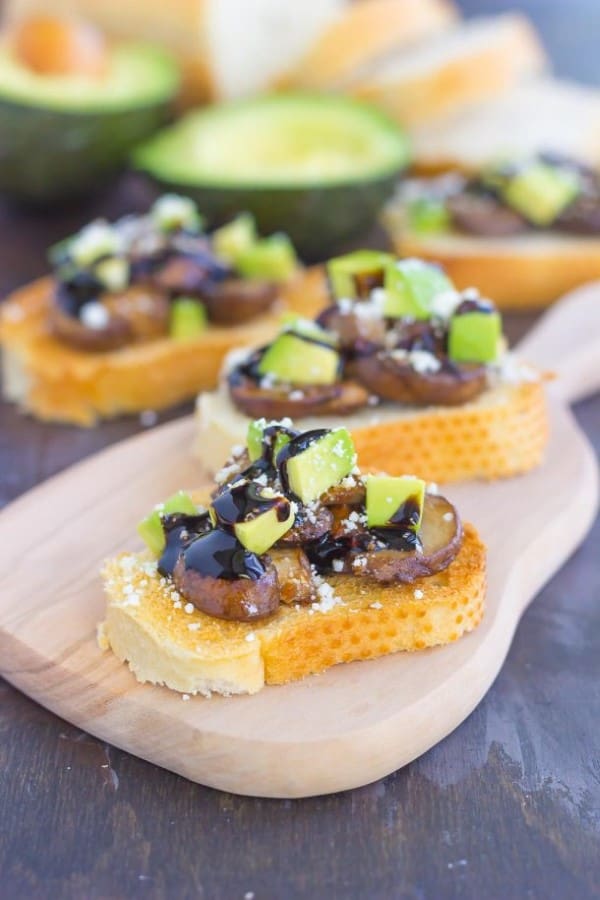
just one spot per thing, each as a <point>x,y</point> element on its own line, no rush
<point>316,167</point>
<point>62,134</point>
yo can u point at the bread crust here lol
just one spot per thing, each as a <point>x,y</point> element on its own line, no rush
<point>58,383</point>
<point>363,32</point>
<point>517,273</point>
<point>195,653</point>
<point>475,76</point>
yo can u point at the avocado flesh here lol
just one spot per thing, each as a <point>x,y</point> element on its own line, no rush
<point>293,360</point>
<point>254,439</point>
<point>316,167</point>
<point>410,286</point>
<point>541,192</point>
<point>150,529</point>
<point>188,319</point>
<point>428,216</point>
<point>388,497</point>
<point>272,258</point>
<point>260,533</point>
<point>323,464</point>
<point>474,337</point>
<point>63,140</point>
<point>342,271</point>
<point>234,238</point>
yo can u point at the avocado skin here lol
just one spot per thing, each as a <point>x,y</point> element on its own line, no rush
<point>319,219</point>
<point>46,154</point>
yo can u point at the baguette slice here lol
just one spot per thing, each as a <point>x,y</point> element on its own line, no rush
<point>543,114</point>
<point>470,63</point>
<point>522,272</point>
<point>61,384</point>
<point>147,626</point>
<point>501,433</point>
<point>363,32</point>
<point>227,48</point>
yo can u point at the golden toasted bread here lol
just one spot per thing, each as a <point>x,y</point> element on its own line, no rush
<point>166,641</point>
<point>58,383</point>
<point>503,432</point>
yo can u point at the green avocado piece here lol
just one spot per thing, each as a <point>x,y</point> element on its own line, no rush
<point>323,464</point>
<point>235,238</point>
<point>474,337</point>
<point>187,319</point>
<point>354,275</point>
<point>308,328</point>
<point>296,360</point>
<point>392,500</point>
<point>272,258</point>
<point>318,167</point>
<point>254,439</point>
<point>428,215</point>
<point>64,135</point>
<point>113,273</point>
<point>541,192</point>
<point>172,212</point>
<point>150,529</point>
<point>262,531</point>
<point>410,286</point>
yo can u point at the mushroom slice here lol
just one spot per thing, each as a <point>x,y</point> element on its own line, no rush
<point>294,575</point>
<point>236,300</point>
<point>354,328</point>
<point>484,215</point>
<point>309,525</point>
<point>440,535</point>
<point>395,379</point>
<point>306,400</point>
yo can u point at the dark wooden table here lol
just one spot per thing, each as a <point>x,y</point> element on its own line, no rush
<point>506,807</point>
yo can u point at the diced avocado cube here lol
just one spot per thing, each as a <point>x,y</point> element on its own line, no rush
<point>113,273</point>
<point>188,319</point>
<point>232,240</point>
<point>541,192</point>
<point>474,337</point>
<point>323,464</point>
<point>272,258</point>
<point>309,329</point>
<point>428,215</point>
<point>172,212</point>
<point>94,241</point>
<point>254,439</point>
<point>410,286</point>
<point>150,529</point>
<point>260,533</point>
<point>294,360</point>
<point>354,275</point>
<point>393,501</point>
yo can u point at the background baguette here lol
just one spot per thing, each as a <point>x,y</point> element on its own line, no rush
<point>226,48</point>
<point>364,31</point>
<point>200,654</point>
<point>58,383</point>
<point>464,65</point>
<point>523,272</point>
<point>543,114</point>
<point>504,432</point>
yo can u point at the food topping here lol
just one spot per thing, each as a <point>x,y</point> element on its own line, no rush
<point>159,275</point>
<point>544,192</point>
<point>411,339</point>
<point>292,510</point>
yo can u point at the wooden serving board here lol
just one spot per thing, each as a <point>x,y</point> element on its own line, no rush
<point>350,726</point>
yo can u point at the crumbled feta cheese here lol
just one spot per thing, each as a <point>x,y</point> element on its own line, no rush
<point>188,608</point>
<point>433,488</point>
<point>376,605</point>
<point>194,626</point>
<point>250,637</point>
<point>296,395</point>
<point>185,696</point>
<point>448,516</point>
<point>337,565</point>
<point>418,594</point>
<point>94,315</point>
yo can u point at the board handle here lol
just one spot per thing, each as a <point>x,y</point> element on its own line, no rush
<point>566,341</point>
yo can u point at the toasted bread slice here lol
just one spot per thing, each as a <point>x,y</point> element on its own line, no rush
<point>147,625</point>
<point>503,432</point>
<point>57,383</point>
<point>543,114</point>
<point>526,271</point>
<point>363,32</point>
<point>462,66</point>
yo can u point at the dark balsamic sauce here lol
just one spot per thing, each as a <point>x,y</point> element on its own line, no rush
<point>475,305</point>
<point>219,554</point>
<point>245,500</point>
<point>180,530</point>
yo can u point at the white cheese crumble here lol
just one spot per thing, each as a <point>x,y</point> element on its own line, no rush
<point>448,516</point>
<point>376,605</point>
<point>418,594</point>
<point>188,608</point>
<point>185,696</point>
<point>94,315</point>
<point>250,637</point>
<point>337,565</point>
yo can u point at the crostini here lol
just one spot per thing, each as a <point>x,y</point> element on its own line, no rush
<point>140,313</point>
<point>418,371</point>
<point>298,562</point>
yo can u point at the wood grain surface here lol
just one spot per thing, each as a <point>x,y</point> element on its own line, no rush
<point>508,806</point>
